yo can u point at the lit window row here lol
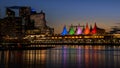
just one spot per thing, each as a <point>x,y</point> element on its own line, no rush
<point>56,37</point>
<point>93,36</point>
<point>76,37</point>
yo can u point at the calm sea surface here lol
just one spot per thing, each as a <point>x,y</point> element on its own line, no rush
<point>63,56</point>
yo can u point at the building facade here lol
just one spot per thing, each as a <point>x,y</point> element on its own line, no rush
<point>11,26</point>
<point>26,23</point>
<point>40,24</point>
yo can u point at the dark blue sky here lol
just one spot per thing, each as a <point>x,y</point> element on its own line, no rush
<point>66,12</point>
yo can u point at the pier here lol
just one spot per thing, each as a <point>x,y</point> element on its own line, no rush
<point>44,42</point>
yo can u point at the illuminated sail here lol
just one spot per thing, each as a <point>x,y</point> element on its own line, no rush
<point>79,30</point>
<point>94,30</point>
<point>64,32</point>
<point>71,31</point>
<point>87,30</point>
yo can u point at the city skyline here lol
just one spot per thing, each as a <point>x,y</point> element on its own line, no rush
<point>66,12</point>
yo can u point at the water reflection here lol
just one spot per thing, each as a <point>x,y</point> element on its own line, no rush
<point>67,56</point>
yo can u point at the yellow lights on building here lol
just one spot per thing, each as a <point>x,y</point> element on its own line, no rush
<point>57,37</point>
<point>72,37</point>
<point>116,35</point>
<point>98,36</point>
<point>94,36</point>
<point>65,37</point>
<point>76,37</point>
<point>52,38</point>
<point>79,37</point>
<point>87,36</point>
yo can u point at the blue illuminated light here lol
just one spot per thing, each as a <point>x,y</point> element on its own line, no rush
<point>64,32</point>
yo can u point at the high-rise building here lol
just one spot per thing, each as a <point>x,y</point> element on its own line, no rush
<point>24,11</point>
<point>10,13</point>
<point>28,22</point>
<point>40,23</point>
<point>39,19</point>
<point>11,26</point>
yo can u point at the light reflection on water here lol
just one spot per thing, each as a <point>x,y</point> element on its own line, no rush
<point>67,56</point>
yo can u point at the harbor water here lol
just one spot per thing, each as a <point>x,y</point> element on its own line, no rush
<point>63,56</point>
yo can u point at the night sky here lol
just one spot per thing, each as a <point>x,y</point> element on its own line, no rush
<point>105,13</point>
